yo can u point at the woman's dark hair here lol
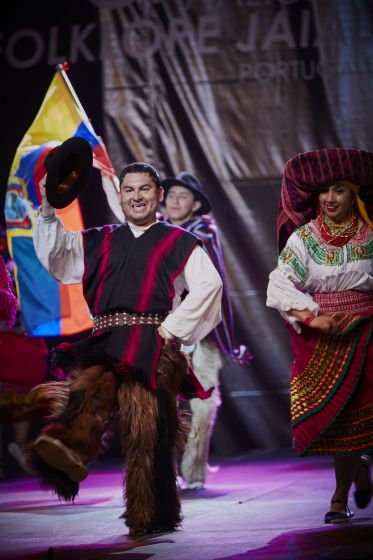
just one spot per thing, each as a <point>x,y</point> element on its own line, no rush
<point>141,167</point>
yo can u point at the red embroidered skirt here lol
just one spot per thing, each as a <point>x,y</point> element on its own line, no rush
<point>332,379</point>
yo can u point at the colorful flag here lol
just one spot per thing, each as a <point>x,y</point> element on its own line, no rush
<point>50,308</point>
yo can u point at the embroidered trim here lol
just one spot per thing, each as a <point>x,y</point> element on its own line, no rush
<point>360,247</point>
<point>350,432</point>
<point>333,411</point>
<point>325,372</point>
<point>319,252</point>
<point>359,252</point>
<point>363,236</point>
<point>287,256</point>
<point>347,301</point>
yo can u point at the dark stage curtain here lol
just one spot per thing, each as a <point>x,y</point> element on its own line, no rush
<point>228,90</point>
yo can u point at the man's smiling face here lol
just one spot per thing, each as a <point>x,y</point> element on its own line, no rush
<point>139,198</point>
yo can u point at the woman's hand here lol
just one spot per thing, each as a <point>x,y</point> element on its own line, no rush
<point>324,323</point>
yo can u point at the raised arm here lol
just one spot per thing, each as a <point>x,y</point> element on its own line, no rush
<point>60,251</point>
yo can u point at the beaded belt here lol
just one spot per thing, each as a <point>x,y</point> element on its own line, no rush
<point>347,301</point>
<point>120,318</point>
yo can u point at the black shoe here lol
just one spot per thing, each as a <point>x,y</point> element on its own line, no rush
<point>338,516</point>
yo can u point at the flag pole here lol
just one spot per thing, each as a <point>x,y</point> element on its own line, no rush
<point>63,67</point>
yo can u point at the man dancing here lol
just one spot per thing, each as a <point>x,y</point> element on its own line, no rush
<point>133,276</point>
<point>187,206</point>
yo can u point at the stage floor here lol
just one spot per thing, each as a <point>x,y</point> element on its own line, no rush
<point>254,508</point>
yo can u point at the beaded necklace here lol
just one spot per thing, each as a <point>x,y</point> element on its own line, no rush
<point>337,234</point>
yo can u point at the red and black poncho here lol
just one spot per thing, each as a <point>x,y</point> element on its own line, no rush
<point>135,275</point>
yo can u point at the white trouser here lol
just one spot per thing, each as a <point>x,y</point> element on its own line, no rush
<point>206,361</point>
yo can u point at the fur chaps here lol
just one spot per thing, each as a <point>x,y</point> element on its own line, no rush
<point>80,408</point>
<point>151,430</point>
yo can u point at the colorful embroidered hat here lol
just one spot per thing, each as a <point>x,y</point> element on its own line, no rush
<point>306,172</point>
<point>185,179</point>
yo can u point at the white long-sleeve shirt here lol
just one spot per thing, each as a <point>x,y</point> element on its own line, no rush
<point>61,253</point>
<point>307,265</point>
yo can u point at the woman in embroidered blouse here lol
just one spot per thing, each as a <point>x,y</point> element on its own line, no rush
<point>323,287</point>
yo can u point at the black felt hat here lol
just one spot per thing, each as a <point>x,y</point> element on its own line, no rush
<point>185,179</point>
<point>68,169</point>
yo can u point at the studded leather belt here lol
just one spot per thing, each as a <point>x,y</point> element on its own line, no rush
<point>120,318</point>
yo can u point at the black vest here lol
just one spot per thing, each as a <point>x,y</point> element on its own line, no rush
<point>136,275</point>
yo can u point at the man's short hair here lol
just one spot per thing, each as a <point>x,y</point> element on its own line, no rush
<point>141,167</point>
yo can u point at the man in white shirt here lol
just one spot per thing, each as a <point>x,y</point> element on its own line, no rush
<point>187,206</point>
<point>133,276</point>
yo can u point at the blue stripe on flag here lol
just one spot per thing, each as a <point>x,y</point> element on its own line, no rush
<point>39,291</point>
<point>87,134</point>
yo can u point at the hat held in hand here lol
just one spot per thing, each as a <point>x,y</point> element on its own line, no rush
<point>68,169</point>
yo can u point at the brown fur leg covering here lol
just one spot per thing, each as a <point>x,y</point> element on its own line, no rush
<point>151,431</point>
<point>92,396</point>
<point>172,434</point>
<point>138,430</point>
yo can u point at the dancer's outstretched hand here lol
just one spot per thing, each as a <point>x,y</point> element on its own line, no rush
<point>46,208</point>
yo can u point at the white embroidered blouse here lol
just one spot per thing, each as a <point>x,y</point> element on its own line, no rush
<point>308,265</point>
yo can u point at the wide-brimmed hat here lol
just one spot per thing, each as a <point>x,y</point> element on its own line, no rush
<point>304,175</point>
<point>68,169</point>
<point>185,179</point>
